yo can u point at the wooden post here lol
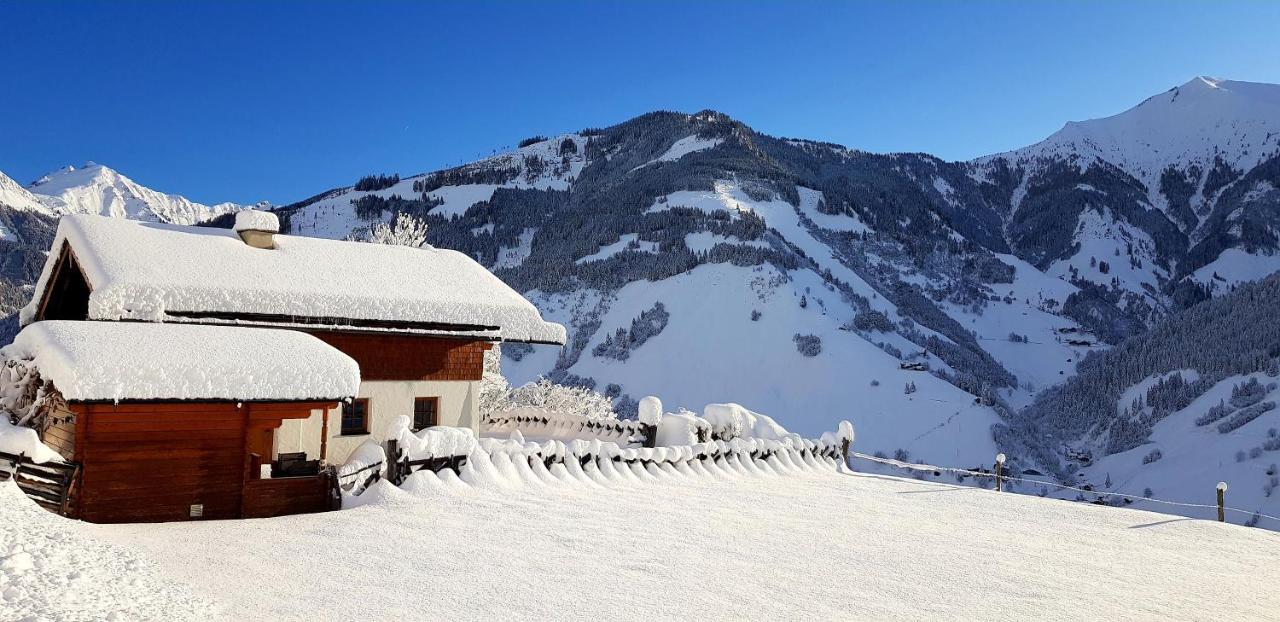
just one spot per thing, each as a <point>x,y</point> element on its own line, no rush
<point>999,469</point>
<point>1222,494</point>
<point>844,451</point>
<point>324,435</point>
<point>650,436</point>
<point>255,467</point>
<point>393,462</point>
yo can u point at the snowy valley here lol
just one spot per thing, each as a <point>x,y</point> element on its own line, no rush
<point>931,303</point>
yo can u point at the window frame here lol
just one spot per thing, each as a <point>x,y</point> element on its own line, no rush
<point>435,411</point>
<point>342,417</point>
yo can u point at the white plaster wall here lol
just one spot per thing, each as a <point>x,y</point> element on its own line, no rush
<point>459,406</point>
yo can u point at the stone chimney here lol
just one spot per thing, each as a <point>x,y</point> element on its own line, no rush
<point>257,228</point>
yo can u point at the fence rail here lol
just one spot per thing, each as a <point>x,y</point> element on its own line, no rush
<point>999,478</point>
<point>50,484</point>
<point>400,467</point>
<point>531,421</point>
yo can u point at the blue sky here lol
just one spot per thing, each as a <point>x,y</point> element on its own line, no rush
<point>245,101</point>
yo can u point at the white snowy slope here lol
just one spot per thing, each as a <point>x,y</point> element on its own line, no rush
<point>1184,461</point>
<point>97,189</point>
<point>712,351</point>
<point>815,545</point>
<point>51,571</point>
<point>334,215</point>
<point>13,195</point>
<point>1192,124</point>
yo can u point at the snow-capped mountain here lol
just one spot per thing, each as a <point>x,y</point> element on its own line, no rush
<point>927,301</point>
<point>1176,195</point>
<point>1189,128</point>
<point>97,189</point>
<point>14,196</point>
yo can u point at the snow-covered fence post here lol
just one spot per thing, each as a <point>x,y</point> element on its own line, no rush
<point>650,415</point>
<point>999,468</point>
<point>1222,498</point>
<point>845,431</point>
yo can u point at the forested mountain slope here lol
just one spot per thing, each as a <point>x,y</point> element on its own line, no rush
<point>695,258</point>
<point>1175,410</point>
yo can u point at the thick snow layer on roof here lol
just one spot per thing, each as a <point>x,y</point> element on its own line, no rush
<point>133,361</point>
<point>155,272</point>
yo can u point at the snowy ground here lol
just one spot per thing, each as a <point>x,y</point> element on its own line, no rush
<point>813,545</point>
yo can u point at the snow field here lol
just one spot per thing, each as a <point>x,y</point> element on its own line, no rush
<point>815,545</point>
<point>49,570</point>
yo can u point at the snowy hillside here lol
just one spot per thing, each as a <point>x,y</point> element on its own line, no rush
<point>14,196</point>
<point>1168,192</point>
<point>97,189</point>
<point>927,301</point>
<point>1190,451</point>
<point>735,546</point>
<point>1218,123</point>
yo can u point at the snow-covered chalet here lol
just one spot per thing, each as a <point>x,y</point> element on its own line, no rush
<point>199,372</point>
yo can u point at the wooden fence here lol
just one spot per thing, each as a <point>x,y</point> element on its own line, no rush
<point>621,431</point>
<point>399,466</point>
<point>50,484</point>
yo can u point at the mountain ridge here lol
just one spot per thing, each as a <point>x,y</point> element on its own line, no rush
<point>803,277</point>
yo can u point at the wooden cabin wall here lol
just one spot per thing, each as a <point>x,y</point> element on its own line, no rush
<point>409,357</point>
<point>60,433</point>
<point>147,462</point>
<point>151,461</point>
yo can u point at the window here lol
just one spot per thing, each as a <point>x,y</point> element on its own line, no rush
<point>425,411</point>
<point>355,417</point>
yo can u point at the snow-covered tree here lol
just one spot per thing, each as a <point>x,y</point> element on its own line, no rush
<point>405,231</point>
<point>558,398</point>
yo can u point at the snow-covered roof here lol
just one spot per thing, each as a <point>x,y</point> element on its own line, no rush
<point>91,361</point>
<point>159,272</point>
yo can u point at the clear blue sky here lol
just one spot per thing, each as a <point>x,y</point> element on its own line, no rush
<point>246,101</point>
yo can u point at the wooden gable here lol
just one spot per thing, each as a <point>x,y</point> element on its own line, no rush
<point>66,297</point>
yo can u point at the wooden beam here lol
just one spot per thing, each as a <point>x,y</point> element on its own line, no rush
<point>324,436</point>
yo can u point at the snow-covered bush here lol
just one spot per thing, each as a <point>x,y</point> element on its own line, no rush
<point>1244,416</point>
<point>1247,393</point>
<point>405,231</point>
<point>873,321</point>
<point>620,344</point>
<point>558,398</point>
<point>808,345</point>
<point>497,396</point>
<point>24,396</point>
<point>1215,413</point>
<point>1155,454</point>
<point>495,393</point>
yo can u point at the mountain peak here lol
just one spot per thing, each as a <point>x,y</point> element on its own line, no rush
<point>1203,82</point>
<point>1195,124</point>
<point>98,189</point>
